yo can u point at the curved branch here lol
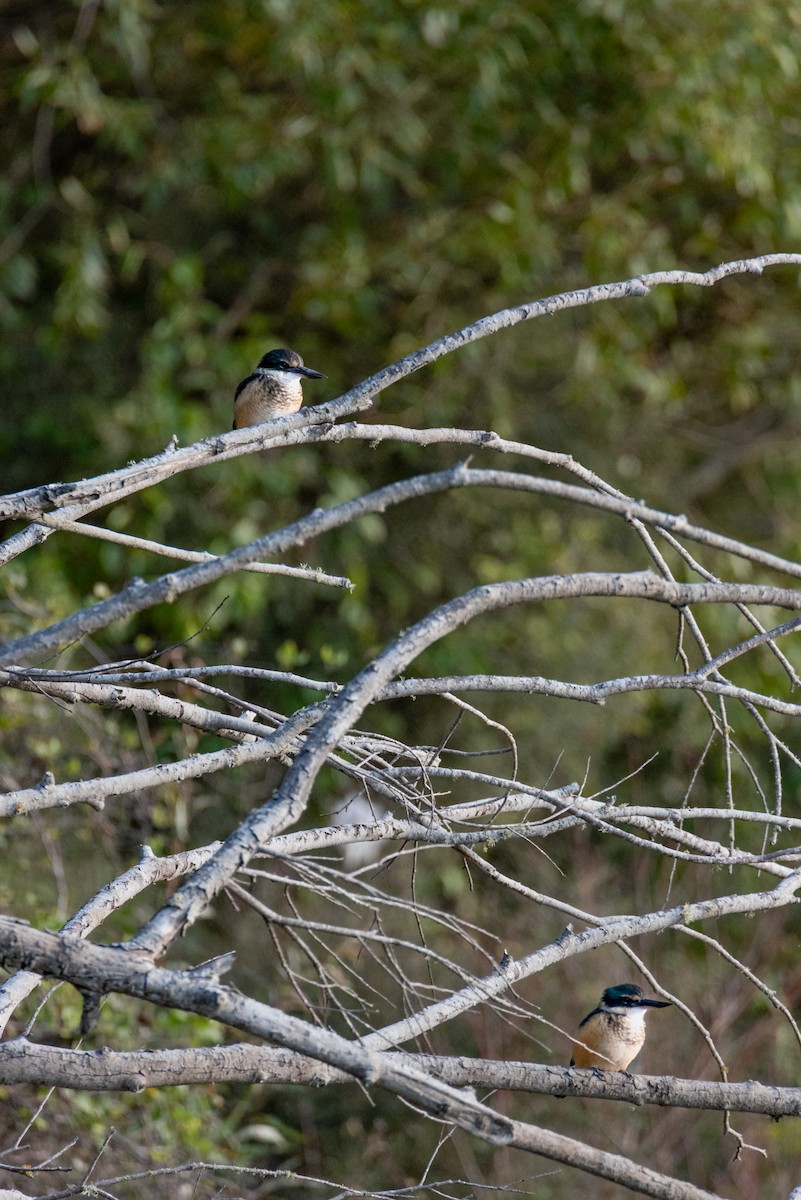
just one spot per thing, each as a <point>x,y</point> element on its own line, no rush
<point>138,595</point>
<point>345,708</point>
<point>38,500</point>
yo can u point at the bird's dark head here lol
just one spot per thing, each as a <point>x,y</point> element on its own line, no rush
<point>627,996</point>
<point>287,361</point>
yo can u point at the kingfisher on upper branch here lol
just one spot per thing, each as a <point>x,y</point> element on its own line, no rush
<point>612,1035</point>
<point>273,389</point>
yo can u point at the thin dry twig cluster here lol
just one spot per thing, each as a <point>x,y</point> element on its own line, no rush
<point>326,918</point>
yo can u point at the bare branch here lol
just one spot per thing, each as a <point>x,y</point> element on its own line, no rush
<point>22,1061</point>
<point>84,964</point>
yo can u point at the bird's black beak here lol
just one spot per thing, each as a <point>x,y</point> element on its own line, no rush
<point>657,1003</point>
<point>309,373</point>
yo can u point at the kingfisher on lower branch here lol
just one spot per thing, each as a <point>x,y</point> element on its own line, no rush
<point>612,1035</point>
<point>273,389</point>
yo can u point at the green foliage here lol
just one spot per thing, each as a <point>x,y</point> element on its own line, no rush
<point>188,184</point>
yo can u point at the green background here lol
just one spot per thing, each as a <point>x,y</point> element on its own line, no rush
<point>187,185</point>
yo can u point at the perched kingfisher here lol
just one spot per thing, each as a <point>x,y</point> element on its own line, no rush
<point>273,390</point>
<point>612,1035</point>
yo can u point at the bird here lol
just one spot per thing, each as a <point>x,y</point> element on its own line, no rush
<point>612,1035</point>
<point>273,389</point>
